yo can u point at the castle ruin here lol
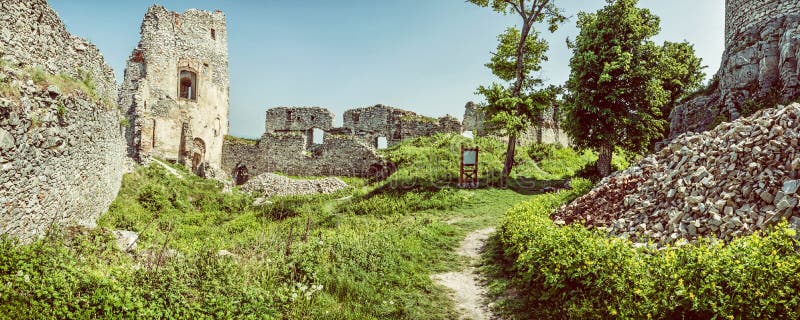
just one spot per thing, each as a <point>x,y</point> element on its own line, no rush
<point>759,66</point>
<point>303,141</point>
<point>176,88</point>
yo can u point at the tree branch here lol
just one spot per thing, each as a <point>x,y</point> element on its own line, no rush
<point>516,8</point>
<point>539,7</point>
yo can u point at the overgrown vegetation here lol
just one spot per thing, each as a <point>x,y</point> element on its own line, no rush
<point>66,84</point>
<point>239,140</point>
<point>570,272</point>
<point>431,163</point>
<point>362,253</point>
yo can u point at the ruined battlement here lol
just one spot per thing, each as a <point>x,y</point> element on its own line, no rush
<point>176,88</point>
<point>741,15</point>
<point>34,36</point>
<point>395,124</point>
<point>298,119</point>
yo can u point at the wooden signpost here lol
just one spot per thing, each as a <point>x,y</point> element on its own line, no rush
<point>468,178</point>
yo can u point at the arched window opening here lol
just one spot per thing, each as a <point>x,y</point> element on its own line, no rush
<point>382,143</point>
<point>241,175</point>
<point>188,85</point>
<point>318,136</point>
<point>198,155</point>
<point>217,127</point>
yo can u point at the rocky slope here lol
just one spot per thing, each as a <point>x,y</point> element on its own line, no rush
<point>727,182</point>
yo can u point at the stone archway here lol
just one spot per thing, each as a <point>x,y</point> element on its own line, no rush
<point>241,174</point>
<point>198,155</point>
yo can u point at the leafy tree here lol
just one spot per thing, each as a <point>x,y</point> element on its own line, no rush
<point>622,84</point>
<point>681,73</point>
<point>520,52</point>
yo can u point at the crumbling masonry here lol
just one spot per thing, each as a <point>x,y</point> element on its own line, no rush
<point>176,88</point>
<point>289,144</point>
<point>61,149</point>
<point>546,130</point>
<point>759,67</point>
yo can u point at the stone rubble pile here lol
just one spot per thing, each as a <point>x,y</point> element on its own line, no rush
<point>728,182</point>
<point>270,185</point>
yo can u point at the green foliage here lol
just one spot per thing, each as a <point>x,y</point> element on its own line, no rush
<point>389,203</point>
<point>38,76</point>
<point>549,13</point>
<point>574,273</point>
<point>125,122</point>
<point>750,106</point>
<point>681,72</point>
<point>232,139</point>
<point>362,253</point>
<point>541,151</point>
<point>61,111</point>
<point>519,54</point>
<point>431,163</point>
<point>621,84</point>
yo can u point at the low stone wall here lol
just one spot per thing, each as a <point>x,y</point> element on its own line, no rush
<point>287,153</point>
<point>394,124</point>
<point>61,146</point>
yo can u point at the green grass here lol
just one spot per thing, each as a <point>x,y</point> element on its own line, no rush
<point>362,253</point>
<point>83,83</point>
<point>366,252</point>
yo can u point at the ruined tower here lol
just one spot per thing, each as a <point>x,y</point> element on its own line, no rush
<point>759,67</point>
<point>176,88</point>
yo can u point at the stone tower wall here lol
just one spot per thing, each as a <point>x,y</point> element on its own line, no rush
<point>741,15</point>
<point>759,68</point>
<point>61,147</point>
<point>164,124</point>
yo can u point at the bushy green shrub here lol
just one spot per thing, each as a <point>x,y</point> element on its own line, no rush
<point>541,151</point>
<point>574,273</point>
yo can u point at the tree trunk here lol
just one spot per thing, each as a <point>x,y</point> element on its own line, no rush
<point>604,160</point>
<point>509,164</point>
<point>512,138</point>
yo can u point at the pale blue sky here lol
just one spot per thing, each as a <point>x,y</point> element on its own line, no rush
<point>422,55</point>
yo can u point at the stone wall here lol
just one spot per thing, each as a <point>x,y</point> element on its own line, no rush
<point>474,119</point>
<point>176,88</point>
<point>61,146</point>
<point>288,145</point>
<point>741,15</point>
<point>298,119</point>
<point>287,153</point>
<point>545,130</point>
<point>759,67</point>
<point>32,34</point>
<point>395,125</point>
